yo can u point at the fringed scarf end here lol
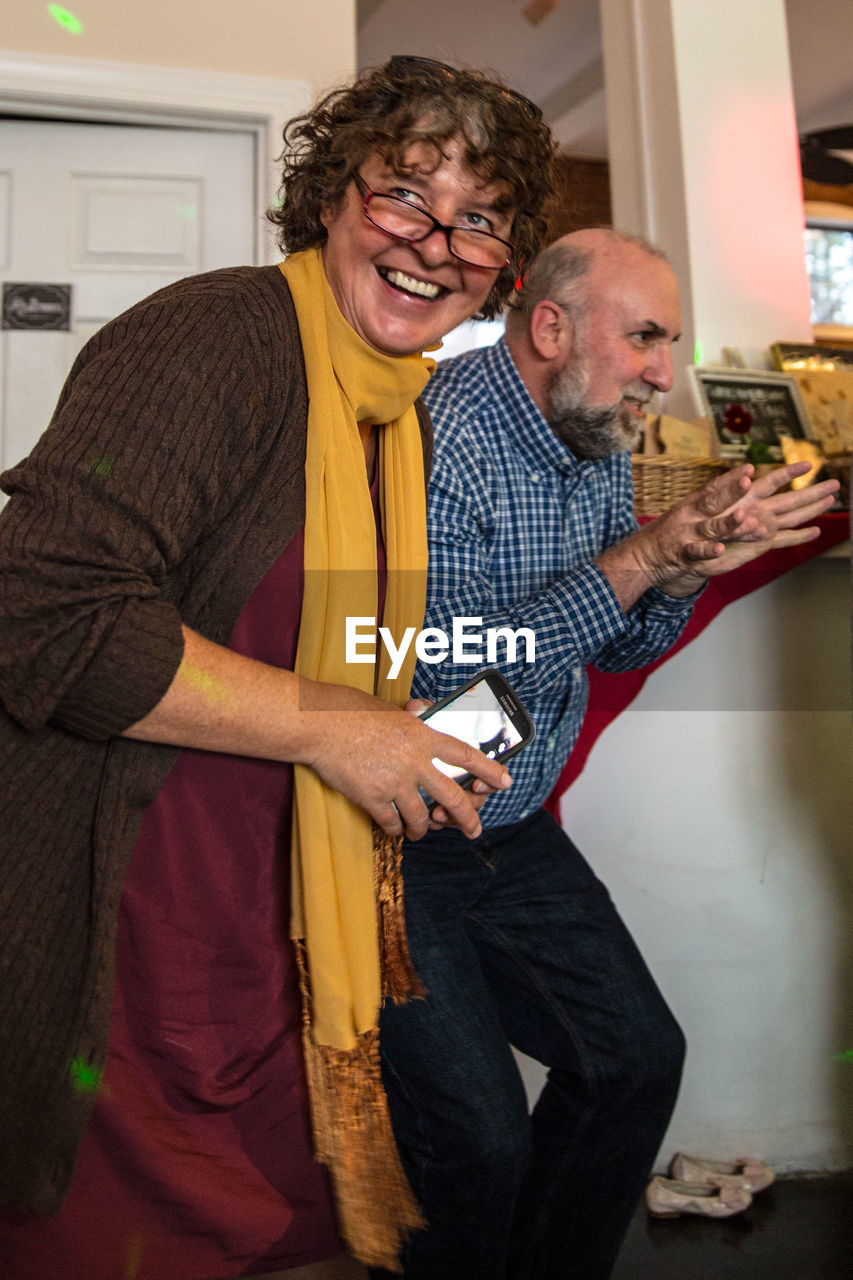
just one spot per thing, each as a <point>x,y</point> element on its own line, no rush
<point>377,1212</point>
<point>399,980</point>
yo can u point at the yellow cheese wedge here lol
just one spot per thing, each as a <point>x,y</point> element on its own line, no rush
<point>802,451</point>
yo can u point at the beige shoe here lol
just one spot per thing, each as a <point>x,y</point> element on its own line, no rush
<point>667,1198</point>
<point>752,1175</point>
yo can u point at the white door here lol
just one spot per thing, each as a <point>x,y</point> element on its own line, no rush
<point>114,211</point>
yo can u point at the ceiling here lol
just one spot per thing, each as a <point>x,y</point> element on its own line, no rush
<point>558,62</point>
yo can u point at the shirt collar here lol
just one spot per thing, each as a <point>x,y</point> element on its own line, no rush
<point>532,436</point>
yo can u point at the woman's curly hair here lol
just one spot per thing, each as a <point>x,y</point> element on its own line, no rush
<point>411,101</point>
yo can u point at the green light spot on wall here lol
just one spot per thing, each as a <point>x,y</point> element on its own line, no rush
<point>846,1056</point>
<point>697,352</point>
<point>84,1077</point>
<point>65,19</point>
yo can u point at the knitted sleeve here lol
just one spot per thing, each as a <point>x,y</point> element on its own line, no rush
<point>156,432</point>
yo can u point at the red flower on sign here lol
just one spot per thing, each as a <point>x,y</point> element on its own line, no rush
<point>737,419</point>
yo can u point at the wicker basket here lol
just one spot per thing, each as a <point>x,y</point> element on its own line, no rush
<point>659,481</point>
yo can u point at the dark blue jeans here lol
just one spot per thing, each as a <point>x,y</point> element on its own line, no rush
<point>519,944</point>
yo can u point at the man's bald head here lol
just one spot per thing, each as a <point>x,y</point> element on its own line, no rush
<point>590,333</point>
<point>560,272</point>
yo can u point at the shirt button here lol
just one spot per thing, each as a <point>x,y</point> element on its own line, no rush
<point>534,476</point>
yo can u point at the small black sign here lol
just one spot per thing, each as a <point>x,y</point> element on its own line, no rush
<point>37,306</point>
<point>750,404</point>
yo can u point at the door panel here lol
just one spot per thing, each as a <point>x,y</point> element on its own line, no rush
<point>146,223</point>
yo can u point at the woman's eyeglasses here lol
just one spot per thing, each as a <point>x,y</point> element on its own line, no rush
<point>401,60</point>
<point>406,221</point>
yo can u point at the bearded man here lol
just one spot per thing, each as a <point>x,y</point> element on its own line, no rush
<point>531,525</point>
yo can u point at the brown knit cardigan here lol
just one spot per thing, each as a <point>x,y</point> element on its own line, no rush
<point>170,479</point>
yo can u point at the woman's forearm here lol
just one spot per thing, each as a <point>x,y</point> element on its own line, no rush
<point>371,751</point>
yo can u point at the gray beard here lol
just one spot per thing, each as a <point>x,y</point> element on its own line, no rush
<point>590,432</point>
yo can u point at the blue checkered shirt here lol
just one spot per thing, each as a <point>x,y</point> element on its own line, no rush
<point>514,522</point>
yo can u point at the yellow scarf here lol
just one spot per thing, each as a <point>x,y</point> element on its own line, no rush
<point>347,904</point>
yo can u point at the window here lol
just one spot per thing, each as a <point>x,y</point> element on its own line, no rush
<point>829,261</point>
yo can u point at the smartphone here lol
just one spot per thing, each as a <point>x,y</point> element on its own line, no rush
<point>485,711</point>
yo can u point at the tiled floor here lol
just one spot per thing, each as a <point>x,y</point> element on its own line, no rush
<point>798,1229</point>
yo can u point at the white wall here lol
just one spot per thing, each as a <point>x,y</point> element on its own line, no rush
<point>718,809</point>
<point>276,39</point>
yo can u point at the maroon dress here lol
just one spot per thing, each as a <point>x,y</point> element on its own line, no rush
<point>197,1163</point>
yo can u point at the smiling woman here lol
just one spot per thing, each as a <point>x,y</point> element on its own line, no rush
<point>402,293</point>
<point>225,788</point>
<point>500,138</point>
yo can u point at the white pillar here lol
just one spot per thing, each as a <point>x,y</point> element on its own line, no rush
<point>704,162</point>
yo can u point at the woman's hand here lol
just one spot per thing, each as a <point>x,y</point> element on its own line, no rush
<point>379,756</point>
<point>479,791</point>
<point>371,751</point>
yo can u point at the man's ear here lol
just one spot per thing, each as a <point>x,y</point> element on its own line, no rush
<point>551,330</point>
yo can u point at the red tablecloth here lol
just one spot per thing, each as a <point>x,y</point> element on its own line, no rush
<point>610,694</point>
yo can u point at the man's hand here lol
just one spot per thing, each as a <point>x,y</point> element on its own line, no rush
<point>781,517</point>
<point>729,522</point>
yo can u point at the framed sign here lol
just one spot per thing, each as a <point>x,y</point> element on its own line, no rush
<point>750,404</point>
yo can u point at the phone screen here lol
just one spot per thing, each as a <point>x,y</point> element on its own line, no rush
<point>476,717</point>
